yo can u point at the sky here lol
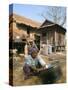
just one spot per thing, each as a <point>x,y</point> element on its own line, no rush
<point>31,11</point>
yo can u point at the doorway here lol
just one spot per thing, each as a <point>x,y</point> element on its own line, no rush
<point>37,41</point>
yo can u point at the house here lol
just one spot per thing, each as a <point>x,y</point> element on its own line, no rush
<point>22,29</point>
<point>53,34</point>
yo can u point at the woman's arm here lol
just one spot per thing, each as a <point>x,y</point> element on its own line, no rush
<point>41,61</point>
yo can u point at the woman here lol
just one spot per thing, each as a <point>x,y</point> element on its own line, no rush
<point>33,63</point>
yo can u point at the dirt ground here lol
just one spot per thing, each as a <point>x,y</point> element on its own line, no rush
<point>18,75</point>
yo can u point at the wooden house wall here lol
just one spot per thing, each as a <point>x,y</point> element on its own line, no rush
<point>47,36</point>
<point>54,36</point>
<point>60,37</point>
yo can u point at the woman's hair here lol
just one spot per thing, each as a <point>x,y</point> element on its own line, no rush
<point>33,49</point>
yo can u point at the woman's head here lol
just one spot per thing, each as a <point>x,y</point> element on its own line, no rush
<point>34,52</point>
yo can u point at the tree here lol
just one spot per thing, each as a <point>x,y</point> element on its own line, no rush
<point>55,14</point>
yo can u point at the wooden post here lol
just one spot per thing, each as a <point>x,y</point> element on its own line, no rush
<point>55,42</point>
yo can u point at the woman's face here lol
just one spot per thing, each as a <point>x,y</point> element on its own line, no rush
<point>34,54</point>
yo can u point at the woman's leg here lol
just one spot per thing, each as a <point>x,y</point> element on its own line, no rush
<point>27,71</point>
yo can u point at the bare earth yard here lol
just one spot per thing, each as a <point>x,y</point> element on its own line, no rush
<point>18,75</point>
